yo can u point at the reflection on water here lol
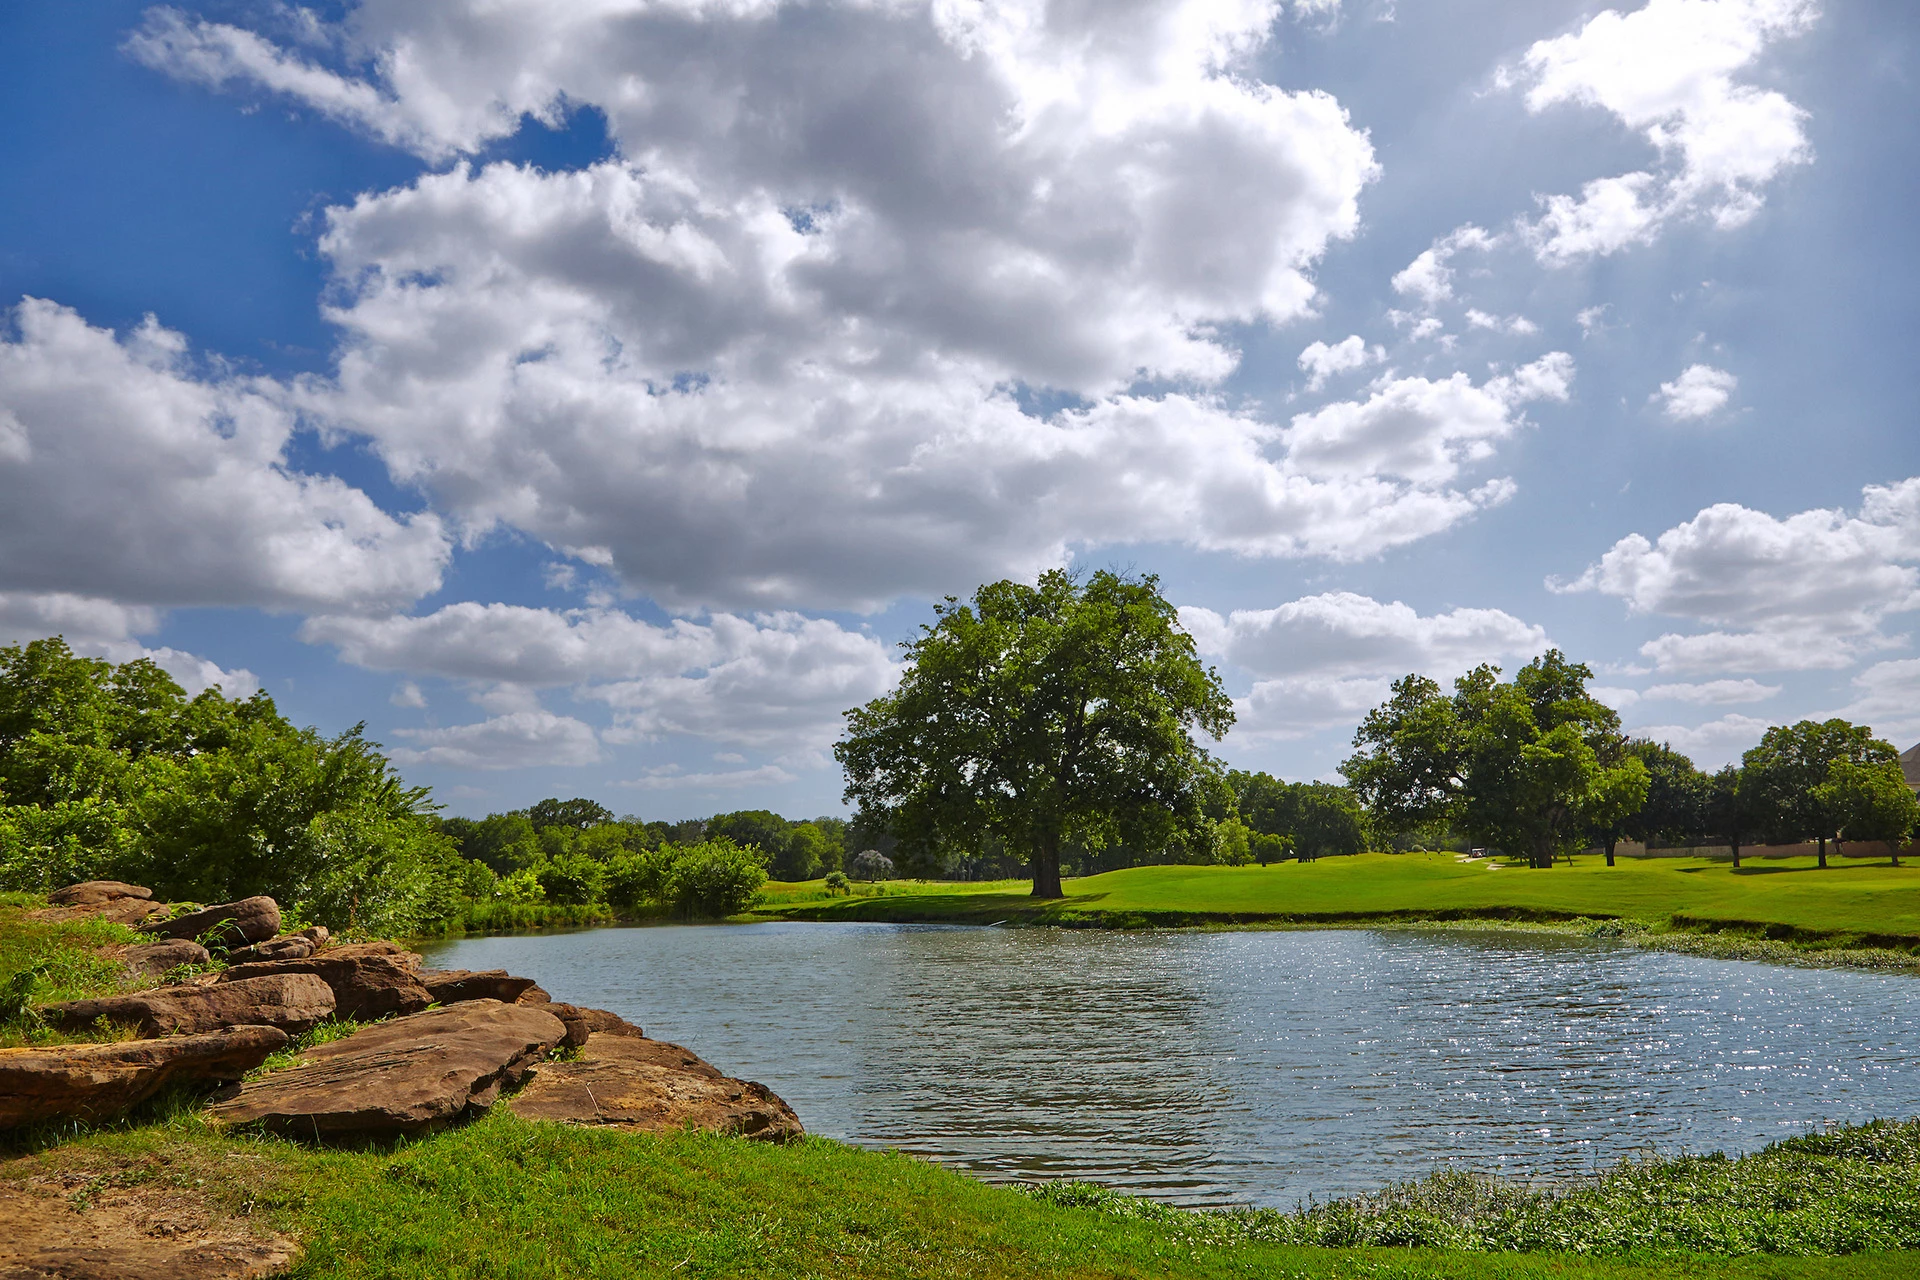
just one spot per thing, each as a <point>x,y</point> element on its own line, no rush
<point>1248,1067</point>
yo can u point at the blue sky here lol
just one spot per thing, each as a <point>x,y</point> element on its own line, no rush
<point>588,399</point>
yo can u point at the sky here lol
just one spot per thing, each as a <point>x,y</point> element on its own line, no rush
<point>590,397</point>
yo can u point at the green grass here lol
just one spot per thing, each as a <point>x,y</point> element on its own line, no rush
<point>1856,904</point>
<point>44,961</point>
<point>508,1198</point>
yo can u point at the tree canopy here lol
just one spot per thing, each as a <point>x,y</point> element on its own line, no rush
<point>1532,766</point>
<point>1036,715</point>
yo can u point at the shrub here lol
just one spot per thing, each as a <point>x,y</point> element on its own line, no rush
<point>837,882</point>
<point>713,878</point>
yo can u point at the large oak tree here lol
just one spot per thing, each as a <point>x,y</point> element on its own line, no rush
<point>1037,715</point>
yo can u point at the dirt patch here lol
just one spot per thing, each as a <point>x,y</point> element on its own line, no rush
<point>119,1223</point>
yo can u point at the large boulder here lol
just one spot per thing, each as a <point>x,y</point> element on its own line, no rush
<point>156,958</point>
<point>113,900</point>
<point>290,946</point>
<point>630,1082</point>
<point>90,893</point>
<point>291,1001</point>
<point>230,924</point>
<point>583,1022</point>
<point>410,1075</point>
<point>369,980</point>
<point>95,1081</point>
<point>451,986</point>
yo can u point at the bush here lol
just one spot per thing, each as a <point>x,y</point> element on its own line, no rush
<point>713,878</point>
<point>837,882</point>
<point>572,879</point>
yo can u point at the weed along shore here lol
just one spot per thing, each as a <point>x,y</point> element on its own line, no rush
<point>1864,913</point>
<point>285,1102</point>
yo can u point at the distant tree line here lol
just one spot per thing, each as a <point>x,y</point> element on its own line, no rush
<point>1538,768</point>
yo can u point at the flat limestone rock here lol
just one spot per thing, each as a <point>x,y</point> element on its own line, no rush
<point>95,1081</point>
<point>583,1022</point>
<point>451,986</point>
<point>411,1075</point>
<point>369,980</point>
<point>90,893</point>
<point>630,1082</point>
<point>293,1002</point>
<point>156,958</point>
<point>286,947</point>
<point>146,1232</point>
<point>234,923</point>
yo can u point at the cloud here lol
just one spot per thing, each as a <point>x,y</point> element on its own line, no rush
<point>131,479</point>
<point>408,694</point>
<point>1805,592</point>
<point>777,680</point>
<point>103,629</point>
<point>731,780</point>
<point>1712,744</point>
<point>1699,392</point>
<point>1419,429</point>
<point>1322,361</point>
<point>1428,279</point>
<point>517,740</point>
<point>1710,693</point>
<point>1887,698</point>
<point>1511,324</point>
<point>1667,71</point>
<point>1323,661</point>
<point>820,288</point>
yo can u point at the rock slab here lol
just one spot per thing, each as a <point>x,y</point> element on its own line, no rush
<point>451,986</point>
<point>630,1082</point>
<point>91,893</point>
<point>156,958</point>
<point>293,1002</point>
<point>411,1075</point>
<point>232,924</point>
<point>369,980</point>
<point>95,1081</point>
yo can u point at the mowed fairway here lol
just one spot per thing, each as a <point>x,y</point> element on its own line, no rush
<point>1863,899</point>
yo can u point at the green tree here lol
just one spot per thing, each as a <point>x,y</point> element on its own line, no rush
<point>1324,820</point>
<point>1409,767</point>
<point>1043,714</point>
<point>808,852</point>
<point>576,813</point>
<point>1678,797</point>
<point>764,832</point>
<point>1615,796</point>
<point>1784,775</point>
<point>1518,765</point>
<point>1729,810</point>
<point>1870,801</point>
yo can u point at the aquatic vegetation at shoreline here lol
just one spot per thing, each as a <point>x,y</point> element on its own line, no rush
<point>1848,1189</point>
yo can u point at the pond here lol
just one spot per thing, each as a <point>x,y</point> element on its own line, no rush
<point>1250,1067</point>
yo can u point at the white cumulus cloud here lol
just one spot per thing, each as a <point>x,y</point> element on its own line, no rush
<point>1699,392</point>
<point>517,740</point>
<point>1322,361</point>
<point>1668,71</point>
<point>1324,660</point>
<point>138,481</point>
<point>1805,592</point>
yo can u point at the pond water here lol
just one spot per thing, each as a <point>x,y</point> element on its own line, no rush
<point>1259,1068</point>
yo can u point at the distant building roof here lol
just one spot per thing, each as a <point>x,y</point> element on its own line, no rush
<point>1910,765</point>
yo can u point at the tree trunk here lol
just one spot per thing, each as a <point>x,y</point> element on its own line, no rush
<point>1046,866</point>
<point>1823,853</point>
<point>1610,843</point>
<point>1893,850</point>
<point>1736,854</point>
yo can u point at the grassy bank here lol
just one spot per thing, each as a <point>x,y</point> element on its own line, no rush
<point>1859,906</point>
<point>506,1198</point>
